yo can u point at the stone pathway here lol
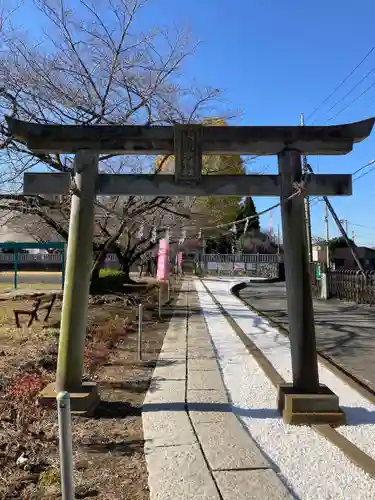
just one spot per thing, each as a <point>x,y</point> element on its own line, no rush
<point>345,331</point>
<point>195,447</point>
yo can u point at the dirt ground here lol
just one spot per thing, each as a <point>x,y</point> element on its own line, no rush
<point>108,447</point>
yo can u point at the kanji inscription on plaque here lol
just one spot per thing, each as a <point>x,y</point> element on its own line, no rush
<point>188,153</point>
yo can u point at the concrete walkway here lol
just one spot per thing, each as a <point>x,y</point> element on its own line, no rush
<point>195,447</point>
<point>345,331</point>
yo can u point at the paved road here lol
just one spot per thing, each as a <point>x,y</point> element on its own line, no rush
<point>345,331</point>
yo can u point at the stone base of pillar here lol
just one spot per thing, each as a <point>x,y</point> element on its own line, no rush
<point>309,409</point>
<point>82,403</point>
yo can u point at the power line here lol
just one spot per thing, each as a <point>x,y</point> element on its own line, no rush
<point>352,102</point>
<point>361,225</point>
<point>318,199</point>
<point>342,83</point>
<point>364,174</point>
<point>364,166</point>
<point>350,91</point>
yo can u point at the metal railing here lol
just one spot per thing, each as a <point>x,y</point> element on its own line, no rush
<point>352,285</point>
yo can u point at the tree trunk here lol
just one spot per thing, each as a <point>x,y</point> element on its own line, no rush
<point>96,284</point>
<point>125,268</point>
<point>96,267</point>
<point>95,274</point>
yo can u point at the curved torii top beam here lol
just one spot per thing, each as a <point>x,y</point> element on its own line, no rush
<point>138,139</point>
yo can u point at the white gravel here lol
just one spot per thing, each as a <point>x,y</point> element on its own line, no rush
<point>311,466</point>
<point>360,412</point>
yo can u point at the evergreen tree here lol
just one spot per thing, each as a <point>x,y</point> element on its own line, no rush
<point>338,242</point>
<point>247,209</point>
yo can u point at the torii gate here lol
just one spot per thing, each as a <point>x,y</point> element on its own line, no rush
<point>304,401</point>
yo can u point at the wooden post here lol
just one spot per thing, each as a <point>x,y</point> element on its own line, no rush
<point>297,275</point>
<point>159,301</point>
<point>15,264</point>
<point>77,277</point>
<point>63,267</point>
<point>140,325</point>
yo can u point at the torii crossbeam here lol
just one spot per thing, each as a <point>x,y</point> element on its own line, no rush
<point>304,401</point>
<point>188,143</point>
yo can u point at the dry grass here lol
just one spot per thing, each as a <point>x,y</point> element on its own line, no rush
<point>30,280</point>
<point>8,287</point>
<point>108,449</point>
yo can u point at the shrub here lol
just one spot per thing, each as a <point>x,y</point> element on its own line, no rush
<point>95,355</point>
<point>110,331</point>
<point>108,281</point>
<point>49,477</point>
<point>104,273</point>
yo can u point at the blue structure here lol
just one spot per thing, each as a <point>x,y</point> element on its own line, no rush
<point>20,246</point>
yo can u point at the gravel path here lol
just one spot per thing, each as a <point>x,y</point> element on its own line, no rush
<point>311,466</point>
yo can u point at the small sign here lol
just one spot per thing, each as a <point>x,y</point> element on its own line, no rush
<point>225,266</point>
<point>251,266</point>
<point>239,266</point>
<point>317,272</point>
<point>212,266</point>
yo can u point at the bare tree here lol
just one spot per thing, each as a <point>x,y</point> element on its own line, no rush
<point>89,66</point>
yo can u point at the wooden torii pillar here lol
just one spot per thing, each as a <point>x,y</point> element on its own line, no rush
<point>303,401</point>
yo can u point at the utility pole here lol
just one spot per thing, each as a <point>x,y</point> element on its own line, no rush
<point>306,171</point>
<point>278,238</point>
<point>345,221</point>
<point>327,235</point>
<point>344,234</point>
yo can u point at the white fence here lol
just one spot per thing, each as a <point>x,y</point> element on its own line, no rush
<point>242,257</point>
<point>262,265</point>
<point>235,262</point>
<point>29,257</point>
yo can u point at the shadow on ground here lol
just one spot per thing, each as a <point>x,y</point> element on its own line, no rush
<point>116,410</point>
<point>116,448</point>
<point>344,331</point>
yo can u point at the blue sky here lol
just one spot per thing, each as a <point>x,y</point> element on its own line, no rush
<point>275,59</point>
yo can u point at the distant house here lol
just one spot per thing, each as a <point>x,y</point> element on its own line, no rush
<point>343,258</point>
<point>10,233</point>
<point>319,253</point>
<point>18,229</point>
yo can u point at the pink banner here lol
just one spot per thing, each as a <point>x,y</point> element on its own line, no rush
<point>179,259</point>
<point>163,267</point>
